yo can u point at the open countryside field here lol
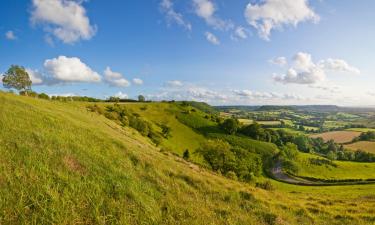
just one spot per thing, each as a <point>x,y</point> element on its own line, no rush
<point>367,146</point>
<point>245,121</point>
<point>338,136</point>
<point>361,129</point>
<point>79,156</point>
<point>269,122</point>
<point>319,167</point>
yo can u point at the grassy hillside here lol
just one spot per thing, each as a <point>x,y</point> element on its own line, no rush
<point>61,164</point>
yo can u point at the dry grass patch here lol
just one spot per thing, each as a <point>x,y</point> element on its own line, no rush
<point>338,136</point>
<point>74,165</point>
<point>367,146</point>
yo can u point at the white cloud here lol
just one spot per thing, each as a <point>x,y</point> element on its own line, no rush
<point>121,95</point>
<point>137,81</point>
<point>240,33</point>
<point>280,61</point>
<point>243,93</point>
<point>206,9</point>
<point>271,14</point>
<point>63,95</point>
<point>10,35</point>
<point>115,78</point>
<point>212,38</point>
<point>188,92</point>
<point>35,76</point>
<point>257,95</point>
<point>174,83</point>
<point>64,69</point>
<point>338,65</point>
<point>66,20</point>
<point>329,88</point>
<point>305,71</point>
<point>172,16</point>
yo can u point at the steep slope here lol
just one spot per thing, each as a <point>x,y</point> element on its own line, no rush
<point>60,164</point>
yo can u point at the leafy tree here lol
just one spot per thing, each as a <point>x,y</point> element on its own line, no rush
<point>230,126</point>
<point>255,131</point>
<point>303,143</point>
<point>141,98</point>
<point>289,151</point>
<point>218,155</point>
<point>16,77</point>
<point>331,155</point>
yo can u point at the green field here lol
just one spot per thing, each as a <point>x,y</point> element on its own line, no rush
<point>362,129</point>
<point>61,164</point>
<point>245,121</point>
<point>318,167</point>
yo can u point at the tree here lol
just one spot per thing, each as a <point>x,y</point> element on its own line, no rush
<point>16,77</point>
<point>230,125</point>
<point>141,98</point>
<point>218,155</point>
<point>303,143</point>
<point>289,151</point>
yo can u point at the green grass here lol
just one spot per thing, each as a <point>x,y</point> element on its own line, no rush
<point>339,170</point>
<point>61,164</point>
<point>361,129</point>
<point>182,137</point>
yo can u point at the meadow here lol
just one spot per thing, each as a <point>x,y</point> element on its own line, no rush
<point>62,164</point>
<point>318,167</point>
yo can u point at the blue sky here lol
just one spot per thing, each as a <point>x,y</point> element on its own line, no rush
<point>219,51</point>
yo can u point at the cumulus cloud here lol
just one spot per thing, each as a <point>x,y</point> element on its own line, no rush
<point>280,61</point>
<point>10,35</point>
<point>305,71</point>
<point>137,81</point>
<point>121,95</point>
<point>66,20</point>
<point>271,14</point>
<point>188,92</point>
<point>167,7</point>
<point>212,38</point>
<point>65,69</point>
<point>174,83</point>
<point>35,76</point>
<point>206,9</point>
<point>338,65</point>
<point>115,78</point>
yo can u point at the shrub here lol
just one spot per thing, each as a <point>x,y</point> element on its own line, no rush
<point>267,185</point>
<point>186,154</point>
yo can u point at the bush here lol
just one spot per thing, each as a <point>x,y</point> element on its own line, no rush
<point>267,185</point>
<point>43,96</point>
<point>186,154</point>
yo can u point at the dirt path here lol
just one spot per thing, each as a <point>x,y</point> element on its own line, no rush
<point>278,174</point>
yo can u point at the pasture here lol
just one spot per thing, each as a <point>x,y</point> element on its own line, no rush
<point>321,168</point>
<point>338,136</point>
<point>367,146</point>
